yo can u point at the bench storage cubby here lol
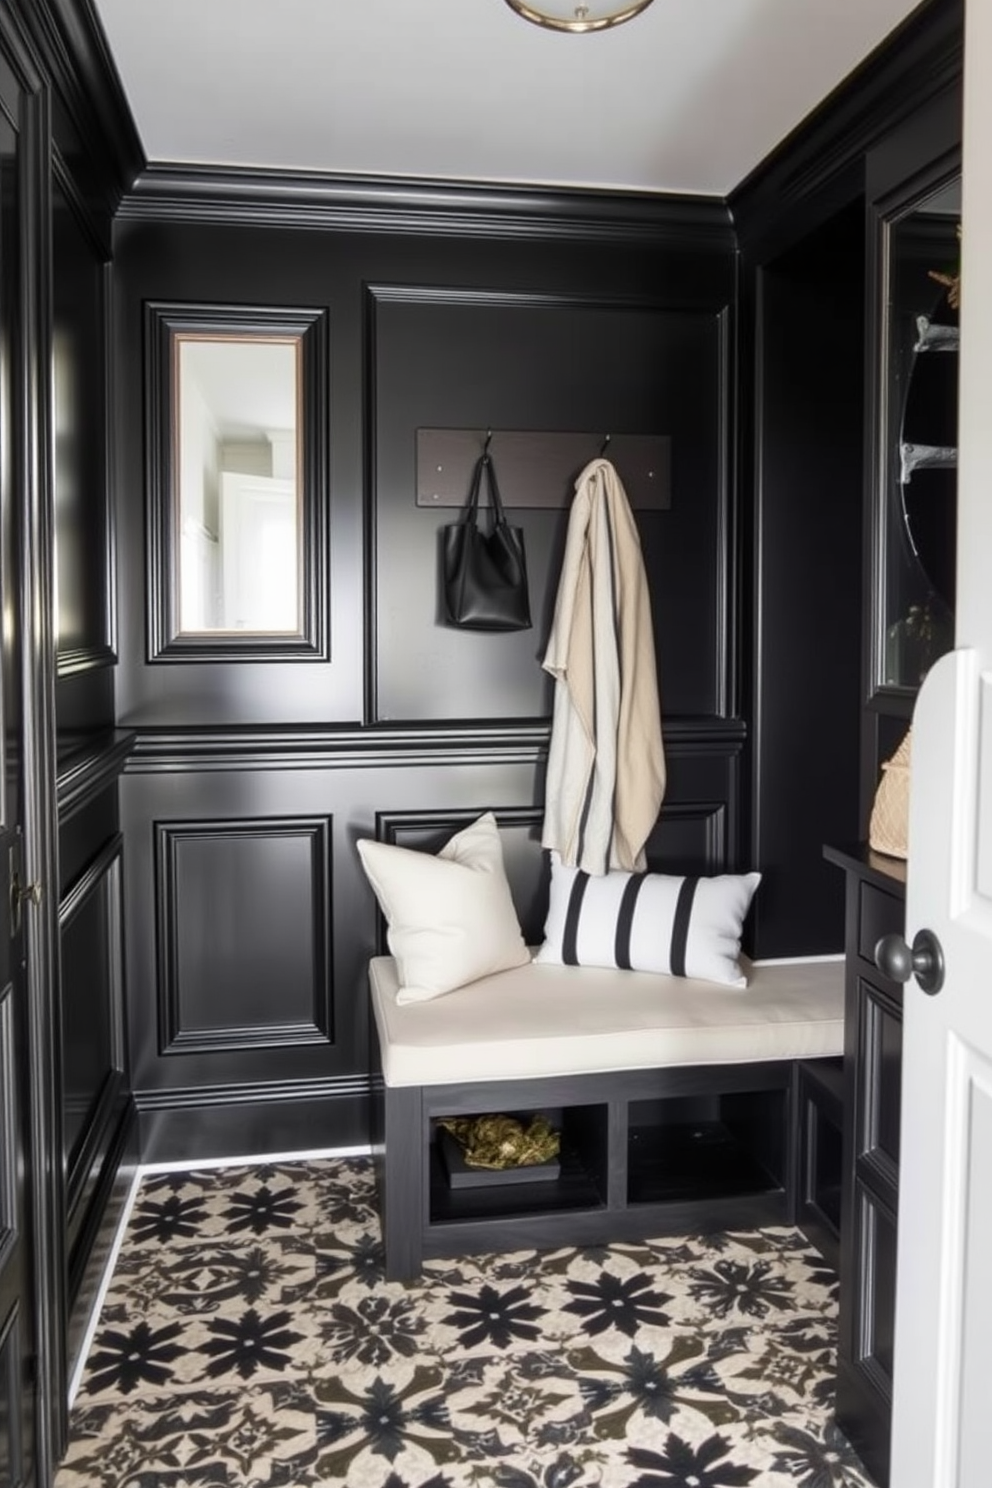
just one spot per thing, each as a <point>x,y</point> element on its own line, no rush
<point>677,1102</point>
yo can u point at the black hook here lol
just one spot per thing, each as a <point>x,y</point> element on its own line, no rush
<point>485,447</point>
<point>605,445</point>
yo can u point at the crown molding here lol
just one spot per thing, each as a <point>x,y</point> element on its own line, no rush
<point>311,199</point>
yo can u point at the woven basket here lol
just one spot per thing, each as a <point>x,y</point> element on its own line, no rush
<point>888,831</point>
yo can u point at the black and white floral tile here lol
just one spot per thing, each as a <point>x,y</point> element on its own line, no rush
<point>248,1340</point>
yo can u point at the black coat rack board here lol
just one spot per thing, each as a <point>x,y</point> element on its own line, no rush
<point>540,469</point>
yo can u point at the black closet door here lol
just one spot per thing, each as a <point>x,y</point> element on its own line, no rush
<point>16,1301</point>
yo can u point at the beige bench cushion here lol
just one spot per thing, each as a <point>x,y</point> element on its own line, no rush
<point>563,1020</point>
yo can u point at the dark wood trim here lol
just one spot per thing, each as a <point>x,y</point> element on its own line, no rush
<point>89,769</point>
<point>176,192</point>
<point>537,468</point>
<point>163,323</point>
<point>819,166</point>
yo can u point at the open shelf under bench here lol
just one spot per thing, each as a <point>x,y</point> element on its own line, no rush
<point>644,1153</point>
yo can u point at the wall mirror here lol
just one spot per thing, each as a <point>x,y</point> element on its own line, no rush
<point>917,472</point>
<point>236,408</point>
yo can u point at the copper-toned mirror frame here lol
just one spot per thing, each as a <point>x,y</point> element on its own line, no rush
<point>166,324</point>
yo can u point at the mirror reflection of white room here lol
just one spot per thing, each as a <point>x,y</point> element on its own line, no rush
<point>238,487</point>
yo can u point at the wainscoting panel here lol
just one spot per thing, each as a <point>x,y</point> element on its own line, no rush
<point>251,922</point>
<point>247,950</point>
<point>243,933</point>
<point>94,1089</point>
<point>98,1128</point>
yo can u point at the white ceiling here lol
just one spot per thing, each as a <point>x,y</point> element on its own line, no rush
<point>687,97</point>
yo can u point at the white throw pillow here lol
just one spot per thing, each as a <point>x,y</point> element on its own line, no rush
<point>679,926</point>
<point>450,918</point>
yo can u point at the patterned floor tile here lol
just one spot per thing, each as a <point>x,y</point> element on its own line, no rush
<point>223,1437</point>
<point>249,1340</point>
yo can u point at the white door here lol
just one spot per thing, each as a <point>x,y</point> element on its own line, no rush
<point>260,554</point>
<point>943,1350</point>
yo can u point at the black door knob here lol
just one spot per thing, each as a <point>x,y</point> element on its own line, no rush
<point>925,960</point>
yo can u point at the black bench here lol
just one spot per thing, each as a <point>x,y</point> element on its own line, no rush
<point>678,1103</point>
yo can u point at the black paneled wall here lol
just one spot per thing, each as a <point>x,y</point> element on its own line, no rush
<point>248,920</point>
<point>97,1123</point>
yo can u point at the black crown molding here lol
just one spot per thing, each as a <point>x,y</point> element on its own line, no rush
<point>922,59</point>
<point>70,40</point>
<point>304,199</point>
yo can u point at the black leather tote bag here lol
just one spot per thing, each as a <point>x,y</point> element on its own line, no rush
<point>485,572</point>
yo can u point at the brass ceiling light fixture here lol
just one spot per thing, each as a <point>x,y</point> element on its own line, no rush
<point>573,15</point>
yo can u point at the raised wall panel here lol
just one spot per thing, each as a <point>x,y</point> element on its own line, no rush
<point>85,571</point>
<point>94,1086</point>
<point>689,837</point>
<point>248,933</point>
<point>91,993</point>
<point>243,931</point>
<point>445,358</point>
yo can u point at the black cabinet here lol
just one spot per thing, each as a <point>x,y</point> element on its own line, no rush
<point>875,906</point>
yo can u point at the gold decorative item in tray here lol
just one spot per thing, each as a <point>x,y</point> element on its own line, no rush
<point>485,1149</point>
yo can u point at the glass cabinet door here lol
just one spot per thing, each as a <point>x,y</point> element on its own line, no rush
<point>917,475</point>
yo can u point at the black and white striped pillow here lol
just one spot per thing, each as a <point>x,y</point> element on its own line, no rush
<point>678,926</point>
